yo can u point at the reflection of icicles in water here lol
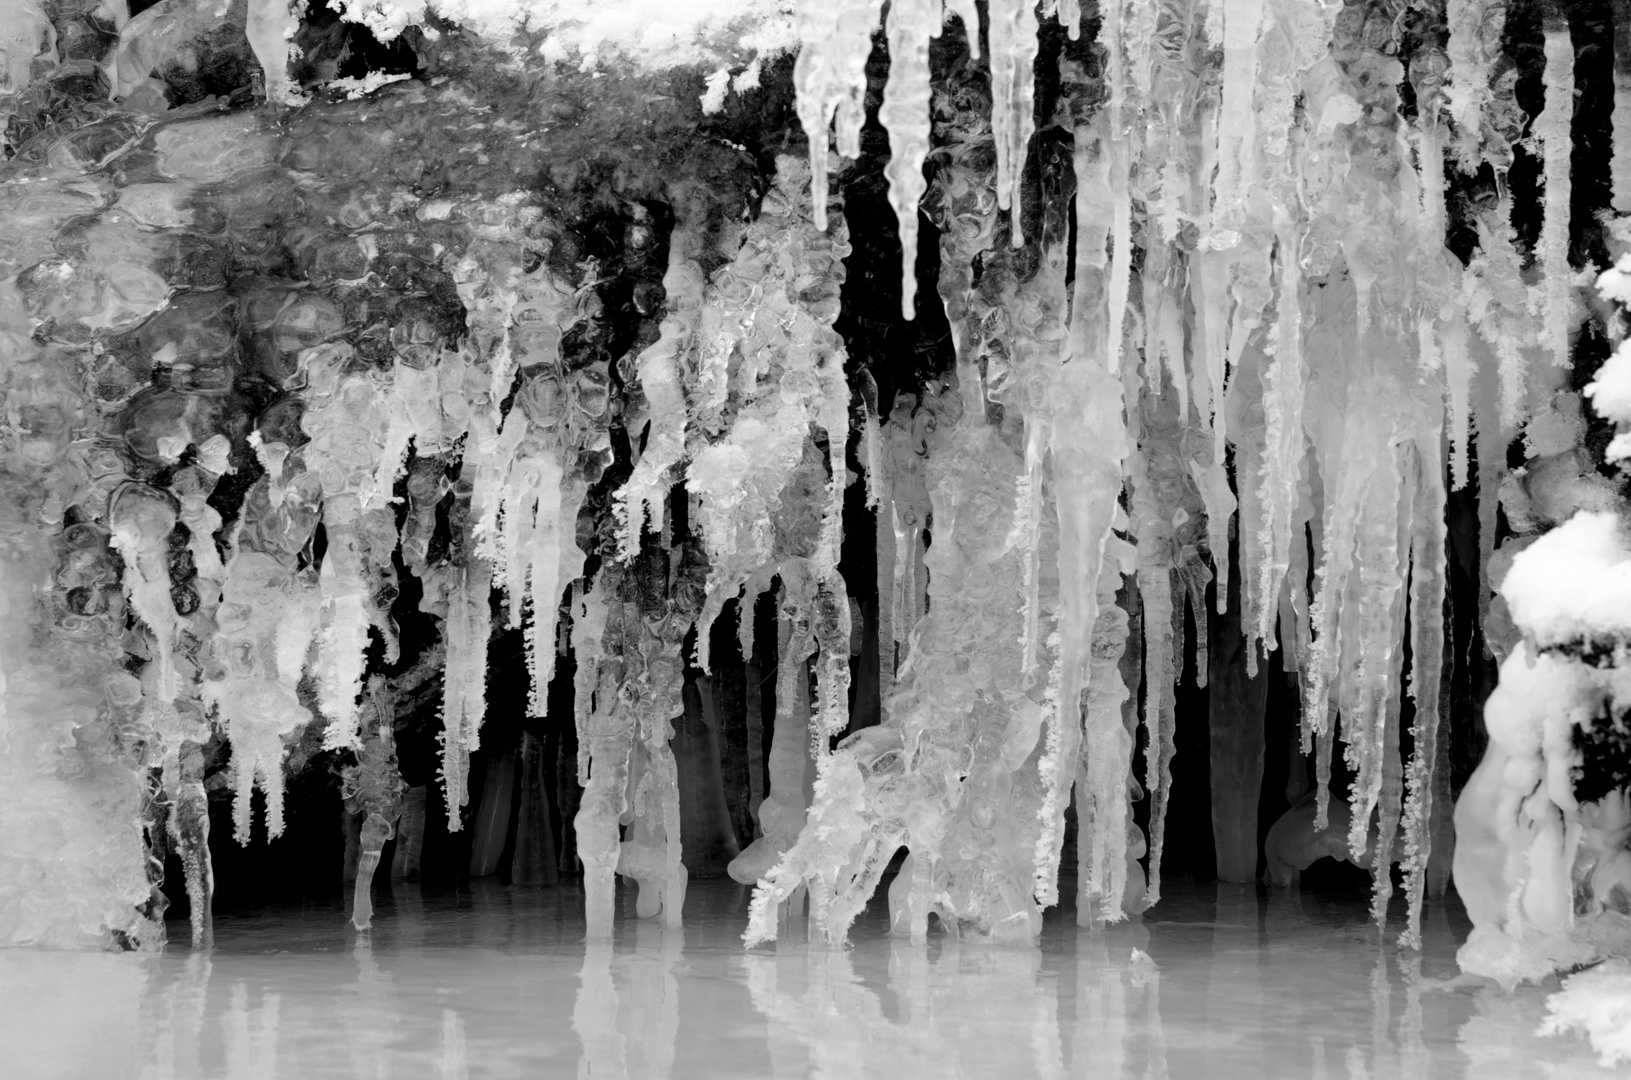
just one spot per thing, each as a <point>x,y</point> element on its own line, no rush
<point>828,1022</point>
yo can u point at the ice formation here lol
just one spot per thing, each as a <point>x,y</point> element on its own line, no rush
<point>371,417</point>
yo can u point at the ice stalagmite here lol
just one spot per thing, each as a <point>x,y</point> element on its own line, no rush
<point>605,734</point>
<point>664,596</point>
<point>372,788</point>
<point>781,814</point>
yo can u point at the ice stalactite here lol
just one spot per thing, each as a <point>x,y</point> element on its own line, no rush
<point>1087,434</point>
<point>905,115</point>
<point>1284,448</point>
<point>642,498</point>
<point>1474,45</point>
<point>1552,301</point>
<point>1106,861</point>
<point>770,325</point>
<point>791,766</point>
<point>830,75</point>
<point>1012,36</point>
<point>962,788</point>
<point>1428,586</point>
<point>1242,24</point>
<point>1154,577</point>
<point>1497,305</point>
<point>270,28</point>
<point>267,621</point>
<point>1620,162</point>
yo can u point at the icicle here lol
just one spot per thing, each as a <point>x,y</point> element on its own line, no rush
<point>786,324</point>
<point>1107,754</point>
<point>373,788</point>
<point>1209,288</point>
<point>1283,436</point>
<point>782,813</point>
<point>830,77</point>
<point>1555,296</point>
<point>882,486</point>
<point>589,612</point>
<point>1246,423</point>
<point>1458,382</point>
<point>1475,36</point>
<point>905,115</point>
<point>1088,441</point>
<point>1368,692</point>
<point>969,15</point>
<point>271,26</point>
<point>1497,304</point>
<point>142,519</point>
<point>189,828</point>
<point>464,687</point>
<point>641,499</point>
<point>345,625</point>
<point>1012,31</point>
<point>1390,790</point>
<point>1427,590</point>
<point>546,557</point>
<point>1620,165</point>
<point>1155,585</point>
<point>1242,23</point>
<point>608,730</point>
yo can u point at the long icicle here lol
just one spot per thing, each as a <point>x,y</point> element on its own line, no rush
<point>1427,588</point>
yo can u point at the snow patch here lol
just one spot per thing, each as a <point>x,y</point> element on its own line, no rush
<point>1596,1003</point>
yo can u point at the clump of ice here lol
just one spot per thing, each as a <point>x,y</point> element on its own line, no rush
<point>1573,583</point>
<point>1596,1003</point>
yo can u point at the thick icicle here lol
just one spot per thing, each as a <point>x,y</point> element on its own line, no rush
<point>641,499</point>
<point>1427,593</point>
<point>1088,440</point>
<point>830,75</point>
<point>464,686</point>
<point>1620,163</point>
<point>905,115</point>
<point>1554,298</point>
<point>1283,440</point>
<point>1013,41</point>
<point>1102,812</point>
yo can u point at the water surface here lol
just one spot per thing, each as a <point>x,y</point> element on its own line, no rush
<point>1219,982</point>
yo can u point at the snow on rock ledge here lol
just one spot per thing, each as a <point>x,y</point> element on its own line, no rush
<point>1574,583</point>
<point>651,34</point>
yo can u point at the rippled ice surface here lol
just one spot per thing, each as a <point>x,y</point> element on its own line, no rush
<point>1222,982</point>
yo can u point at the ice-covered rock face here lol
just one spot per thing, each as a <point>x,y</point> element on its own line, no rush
<point>329,354</point>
